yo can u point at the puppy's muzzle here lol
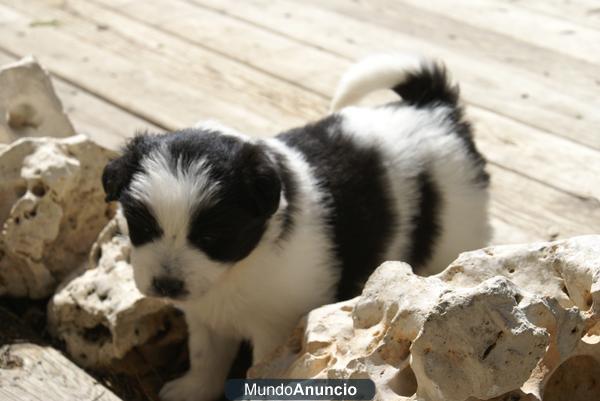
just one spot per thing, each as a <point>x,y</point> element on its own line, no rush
<point>168,287</point>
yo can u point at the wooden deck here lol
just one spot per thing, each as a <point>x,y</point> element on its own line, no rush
<point>529,72</point>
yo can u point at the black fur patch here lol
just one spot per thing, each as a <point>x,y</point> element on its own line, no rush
<point>426,224</point>
<point>226,232</point>
<point>118,173</point>
<point>431,87</point>
<point>249,190</point>
<point>142,225</point>
<point>361,214</point>
<point>463,129</point>
<point>290,192</point>
<point>117,176</point>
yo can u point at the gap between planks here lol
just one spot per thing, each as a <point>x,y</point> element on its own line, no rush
<point>527,142</point>
<point>489,77</point>
<point>539,231</point>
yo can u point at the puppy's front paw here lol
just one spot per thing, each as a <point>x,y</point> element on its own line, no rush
<point>190,387</point>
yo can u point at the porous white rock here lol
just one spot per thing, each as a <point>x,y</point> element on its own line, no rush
<point>28,105</point>
<point>518,322</point>
<point>102,317</point>
<point>51,210</point>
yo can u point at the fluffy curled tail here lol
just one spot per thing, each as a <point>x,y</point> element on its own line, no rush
<point>418,81</point>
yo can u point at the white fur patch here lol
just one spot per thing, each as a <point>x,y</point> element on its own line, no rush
<point>383,71</point>
<point>411,139</point>
<point>173,193</point>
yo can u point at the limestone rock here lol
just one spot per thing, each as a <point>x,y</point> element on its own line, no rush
<point>104,320</point>
<point>517,322</point>
<point>51,211</point>
<point>28,105</point>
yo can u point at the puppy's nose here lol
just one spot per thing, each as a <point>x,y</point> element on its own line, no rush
<point>168,287</point>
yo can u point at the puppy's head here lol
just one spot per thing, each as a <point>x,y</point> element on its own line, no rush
<point>196,202</point>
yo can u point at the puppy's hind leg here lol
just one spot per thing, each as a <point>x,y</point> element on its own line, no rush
<point>211,356</point>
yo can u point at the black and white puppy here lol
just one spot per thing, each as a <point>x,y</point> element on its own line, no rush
<point>247,235</point>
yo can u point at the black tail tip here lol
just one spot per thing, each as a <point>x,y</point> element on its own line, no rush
<point>429,85</point>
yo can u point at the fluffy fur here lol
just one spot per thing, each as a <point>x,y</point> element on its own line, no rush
<point>247,235</point>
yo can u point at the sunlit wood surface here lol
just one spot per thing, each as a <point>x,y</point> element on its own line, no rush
<point>529,73</point>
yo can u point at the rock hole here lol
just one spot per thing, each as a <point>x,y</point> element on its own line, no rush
<point>404,383</point>
<point>162,332</point>
<point>577,379</point>
<point>39,190</point>
<point>97,334</point>
<point>587,296</point>
<point>9,360</point>
<point>491,347</point>
<point>511,270</point>
<point>566,290</point>
<point>97,255</point>
<point>22,116</point>
<point>17,220</point>
<point>488,350</point>
<point>103,297</point>
<point>31,214</point>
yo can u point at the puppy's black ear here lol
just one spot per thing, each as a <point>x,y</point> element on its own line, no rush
<point>118,172</point>
<point>260,178</point>
<point>115,178</point>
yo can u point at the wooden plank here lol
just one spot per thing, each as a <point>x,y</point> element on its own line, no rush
<point>503,141</point>
<point>524,210</point>
<point>543,157</point>
<point>584,12</point>
<point>122,78</point>
<point>266,51</point>
<point>488,78</point>
<point>478,43</point>
<point>30,372</point>
<point>512,226</point>
<point>101,121</point>
<point>556,33</point>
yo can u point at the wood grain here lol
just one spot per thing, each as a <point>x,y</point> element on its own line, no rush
<point>503,141</point>
<point>30,372</point>
<point>532,85</point>
<point>262,67</point>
